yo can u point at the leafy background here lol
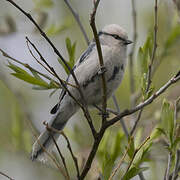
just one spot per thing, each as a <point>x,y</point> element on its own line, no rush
<point>20,104</point>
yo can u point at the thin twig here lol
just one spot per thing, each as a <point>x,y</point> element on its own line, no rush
<point>5,175</point>
<point>131,54</point>
<point>48,68</point>
<point>136,122</point>
<point>30,68</point>
<point>57,147</point>
<point>168,166</point>
<point>27,42</point>
<point>135,152</point>
<point>121,161</point>
<point>47,153</point>
<point>176,112</point>
<point>55,74</point>
<point>76,17</point>
<point>72,154</point>
<point>175,172</point>
<point>101,63</point>
<point>68,145</point>
<point>149,76</point>
<point>121,120</point>
<point>154,46</point>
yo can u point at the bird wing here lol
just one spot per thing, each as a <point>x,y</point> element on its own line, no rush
<point>82,58</point>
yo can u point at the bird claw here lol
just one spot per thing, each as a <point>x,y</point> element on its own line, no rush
<point>102,70</point>
<point>106,114</point>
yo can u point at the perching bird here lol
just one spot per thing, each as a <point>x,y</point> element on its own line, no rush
<point>114,41</point>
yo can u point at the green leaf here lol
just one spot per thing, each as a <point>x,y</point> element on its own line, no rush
<point>64,66</point>
<point>142,61</point>
<point>35,74</point>
<point>30,79</point>
<point>71,53</point>
<point>143,82</point>
<point>116,146</point>
<point>167,117</point>
<point>23,75</point>
<point>131,149</point>
<point>162,131</point>
<point>144,54</point>
<point>176,142</point>
<point>133,172</point>
<point>107,166</point>
<point>16,69</point>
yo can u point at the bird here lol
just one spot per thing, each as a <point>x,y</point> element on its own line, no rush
<point>113,40</point>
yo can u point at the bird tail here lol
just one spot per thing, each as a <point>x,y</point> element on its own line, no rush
<point>43,144</point>
<point>45,141</point>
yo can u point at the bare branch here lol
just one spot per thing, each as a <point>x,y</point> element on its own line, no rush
<point>154,46</point>
<point>30,68</point>
<point>173,80</point>
<point>102,70</point>
<point>121,161</point>
<point>5,175</point>
<point>131,54</point>
<point>136,151</point>
<point>121,120</point>
<point>68,145</point>
<point>57,147</point>
<point>168,166</point>
<point>151,63</point>
<point>136,122</point>
<point>72,154</point>
<point>47,153</point>
<point>76,17</point>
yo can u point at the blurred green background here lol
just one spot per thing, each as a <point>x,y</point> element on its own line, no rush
<point>22,107</point>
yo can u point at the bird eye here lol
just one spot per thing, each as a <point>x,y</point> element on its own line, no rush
<point>116,36</point>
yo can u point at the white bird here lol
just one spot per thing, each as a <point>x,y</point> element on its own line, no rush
<point>114,41</point>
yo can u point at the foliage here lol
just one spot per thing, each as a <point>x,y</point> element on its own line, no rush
<point>135,153</point>
<point>71,48</point>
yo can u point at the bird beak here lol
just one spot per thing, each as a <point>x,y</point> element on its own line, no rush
<point>128,42</point>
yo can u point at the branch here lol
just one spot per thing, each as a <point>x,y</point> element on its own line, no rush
<point>76,17</point>
<point>121,161</point>
<point>173,80</point>
<point>109,123</point>
<point>121,120</point>
<point>93,26</point>
<point>57,147</point>
<point>136,151</point>
<point>154,46</point>
<point>29,67</point>
<point>92,153</point>
<point>72,154</point>
<point>5,175</point>
<point>68,145</point>
<point>131,54</point>
<point>151,63</point>
<point>176,168</point>
<point>47,153</point>
<point>168,167</point>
